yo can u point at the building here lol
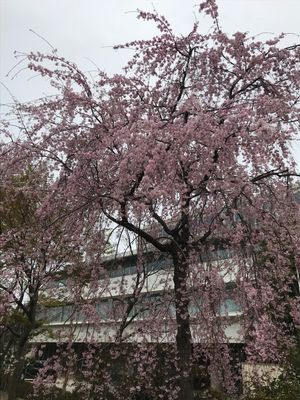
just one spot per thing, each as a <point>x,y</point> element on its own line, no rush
<point>132,302</point>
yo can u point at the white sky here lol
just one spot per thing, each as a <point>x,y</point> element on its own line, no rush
<point>85,31</point>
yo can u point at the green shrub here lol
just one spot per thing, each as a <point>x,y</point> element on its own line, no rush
<point>284,388</point>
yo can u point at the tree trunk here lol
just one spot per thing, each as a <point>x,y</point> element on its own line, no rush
<point>183,334</point>
<point>15,378</point>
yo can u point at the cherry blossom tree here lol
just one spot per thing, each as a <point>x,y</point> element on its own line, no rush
<point>192,139</point>
<point>34,251</point>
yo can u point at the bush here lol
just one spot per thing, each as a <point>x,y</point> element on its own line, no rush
<point>284,388</point>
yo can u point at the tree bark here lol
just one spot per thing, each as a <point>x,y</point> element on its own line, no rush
<point>183,333</point>
<point>15,378</point>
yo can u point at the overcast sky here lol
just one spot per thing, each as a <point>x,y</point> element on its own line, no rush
<point>85,31</point>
